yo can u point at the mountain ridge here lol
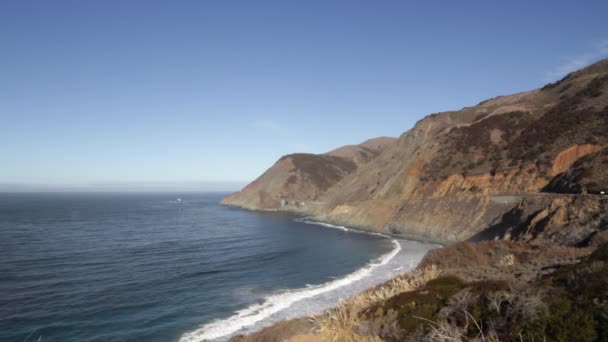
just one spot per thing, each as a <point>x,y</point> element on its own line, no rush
<point>458,173</point>
<point>306,175</point>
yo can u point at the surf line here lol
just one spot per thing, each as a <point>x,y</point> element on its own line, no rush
<point>350,230</point>
<point>275,303</point>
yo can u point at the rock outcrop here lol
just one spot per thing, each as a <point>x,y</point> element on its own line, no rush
<point>588,174</point>
<point>459,173</point>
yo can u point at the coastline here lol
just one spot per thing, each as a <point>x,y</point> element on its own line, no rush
<point>369,230</point>
<point>365,229</point>
<point>528,243</point>
<point>510,279</point>
<point>315,299</point>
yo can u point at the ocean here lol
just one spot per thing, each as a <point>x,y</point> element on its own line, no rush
<point>173,266</point>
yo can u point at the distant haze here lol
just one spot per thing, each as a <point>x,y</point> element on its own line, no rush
<point>126,187</point>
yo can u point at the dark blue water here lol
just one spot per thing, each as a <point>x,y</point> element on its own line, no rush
<point>145,267</point>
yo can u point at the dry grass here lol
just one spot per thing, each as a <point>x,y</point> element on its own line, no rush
<point>507,260</point>
<point>444,331</point>
<point>496,300</point>
<point>527,304</point>
<point>403,283</point>
<point>340,323</point>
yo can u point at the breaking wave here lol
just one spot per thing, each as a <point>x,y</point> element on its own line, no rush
<point>313,299</point>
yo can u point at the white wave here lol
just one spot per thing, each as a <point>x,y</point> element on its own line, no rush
<point>277,306</point>
<point>275,303</point>
<point>328,225</point>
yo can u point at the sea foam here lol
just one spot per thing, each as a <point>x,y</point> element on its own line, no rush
<point>312,299</point>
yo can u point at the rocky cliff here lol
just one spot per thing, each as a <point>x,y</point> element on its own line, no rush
<point>456,174</point>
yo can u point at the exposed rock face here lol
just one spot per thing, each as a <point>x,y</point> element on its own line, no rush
<point>588,174</point>
<point>458,173</point>
<point>567,157</point>
<point>571,220</point>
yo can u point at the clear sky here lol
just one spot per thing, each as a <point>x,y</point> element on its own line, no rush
<point>126,92</point>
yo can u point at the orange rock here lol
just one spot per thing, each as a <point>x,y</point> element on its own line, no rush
<point>517,180</point>
<point>567,157</point>
<point>415,168</point>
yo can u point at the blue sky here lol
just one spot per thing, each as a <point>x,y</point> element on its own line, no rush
<point>117,93</point>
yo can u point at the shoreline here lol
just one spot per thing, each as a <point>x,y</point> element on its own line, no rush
<point>364,229</point>
<point>368,230</point>
<point>315,299</point>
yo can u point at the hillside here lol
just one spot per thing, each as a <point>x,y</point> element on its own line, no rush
<point>364,152</point>
<point>521,177</point>
<point>459,173</point>
<point>296,179</point>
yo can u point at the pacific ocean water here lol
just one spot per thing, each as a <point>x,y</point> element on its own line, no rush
<point>172,267</point>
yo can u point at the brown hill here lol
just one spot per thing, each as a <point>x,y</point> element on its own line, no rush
<point>458,173</point>
<point>296,179</point>
<point>364,152</point>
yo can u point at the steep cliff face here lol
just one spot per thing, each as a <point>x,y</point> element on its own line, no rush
<point>455,174</point>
